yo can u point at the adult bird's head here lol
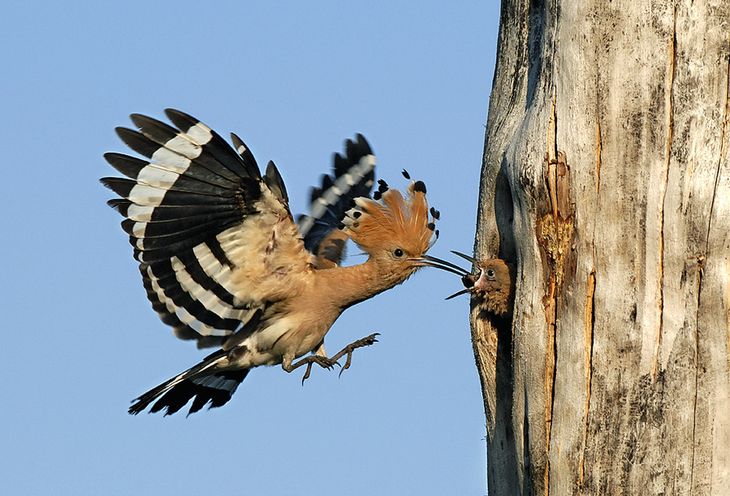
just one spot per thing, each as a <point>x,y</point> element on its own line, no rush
<point>396,230</point>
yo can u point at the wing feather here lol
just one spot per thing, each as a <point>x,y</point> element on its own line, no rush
<point>352,177</point>
<point>203,222</point>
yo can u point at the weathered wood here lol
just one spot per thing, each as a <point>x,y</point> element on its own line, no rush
<point>606,179</point>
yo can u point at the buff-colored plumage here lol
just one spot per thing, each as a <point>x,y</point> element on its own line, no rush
<point>224,263</point>
<point>396,221</point>
<point>492,287</point>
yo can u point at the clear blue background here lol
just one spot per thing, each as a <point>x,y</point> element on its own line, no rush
<point>294,79</point>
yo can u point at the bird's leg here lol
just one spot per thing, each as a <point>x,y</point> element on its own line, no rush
<point>347,350</point>
<point>318,351</point>
<point>319,356</point>
<point>322,361</point>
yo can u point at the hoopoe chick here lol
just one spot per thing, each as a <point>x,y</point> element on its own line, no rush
<point>224,263</point>
<point>492,287</point>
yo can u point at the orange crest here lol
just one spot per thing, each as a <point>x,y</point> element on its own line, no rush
<point>394,222</point>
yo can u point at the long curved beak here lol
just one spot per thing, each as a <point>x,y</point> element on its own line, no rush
<point>467,279</point>
<point>465,257</point>
<point>429,261</point>
<point>459,293</point>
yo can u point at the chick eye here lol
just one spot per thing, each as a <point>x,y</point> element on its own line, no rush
<point>490,273</point>
<point>398,252</point>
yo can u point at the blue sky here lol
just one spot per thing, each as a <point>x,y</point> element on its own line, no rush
<point>293,79</point>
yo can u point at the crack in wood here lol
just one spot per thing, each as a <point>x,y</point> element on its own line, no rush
<point>701,265</point>
<point>589,322</point>
<point>555,233</point>
<point>726,304</point>
<point>550,304</point>
<point>700,274</point>
<point>589,314</point>
<point>669,123</point>
<point>723,151</point>
<point>550,364</point>
<point>547,232</point>
<point>724,138</point>
<point>599,148</point>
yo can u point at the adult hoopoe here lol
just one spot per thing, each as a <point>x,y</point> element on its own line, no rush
<point>224,263</point>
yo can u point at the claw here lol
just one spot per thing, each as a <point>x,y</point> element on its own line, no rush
<point>329,363</point>
<point>323,362</point>
<point>306,373</point>
<point>347,364</point>
<point>347,350</point>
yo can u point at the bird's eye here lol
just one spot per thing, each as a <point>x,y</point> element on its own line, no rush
<point>398,252</point>
<point>490,273</point>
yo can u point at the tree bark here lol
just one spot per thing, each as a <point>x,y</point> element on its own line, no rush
<point>606,180</point>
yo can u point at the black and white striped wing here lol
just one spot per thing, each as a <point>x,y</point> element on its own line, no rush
<point>196,211</point>
<point>352,177</point>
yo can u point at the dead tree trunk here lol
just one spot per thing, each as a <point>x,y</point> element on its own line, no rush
<point>606,179</point>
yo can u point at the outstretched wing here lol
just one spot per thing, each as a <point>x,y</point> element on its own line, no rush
<point>352,177</point>
<point>206,227</point>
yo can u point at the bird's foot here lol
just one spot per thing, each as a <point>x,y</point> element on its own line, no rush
<point>347,350</point>
<point>322,361</point>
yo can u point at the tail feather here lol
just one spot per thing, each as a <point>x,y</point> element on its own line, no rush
<point>198,383</point>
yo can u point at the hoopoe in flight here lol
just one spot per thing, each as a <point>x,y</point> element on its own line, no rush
<point>224,263</point>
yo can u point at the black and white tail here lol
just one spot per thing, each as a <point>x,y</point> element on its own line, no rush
<point>200,382</point>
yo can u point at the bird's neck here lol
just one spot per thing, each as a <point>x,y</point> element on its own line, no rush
<point>351,285</point>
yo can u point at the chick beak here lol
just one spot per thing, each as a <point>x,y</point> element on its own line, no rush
<point>467,279</point>
<point>459,293</point>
